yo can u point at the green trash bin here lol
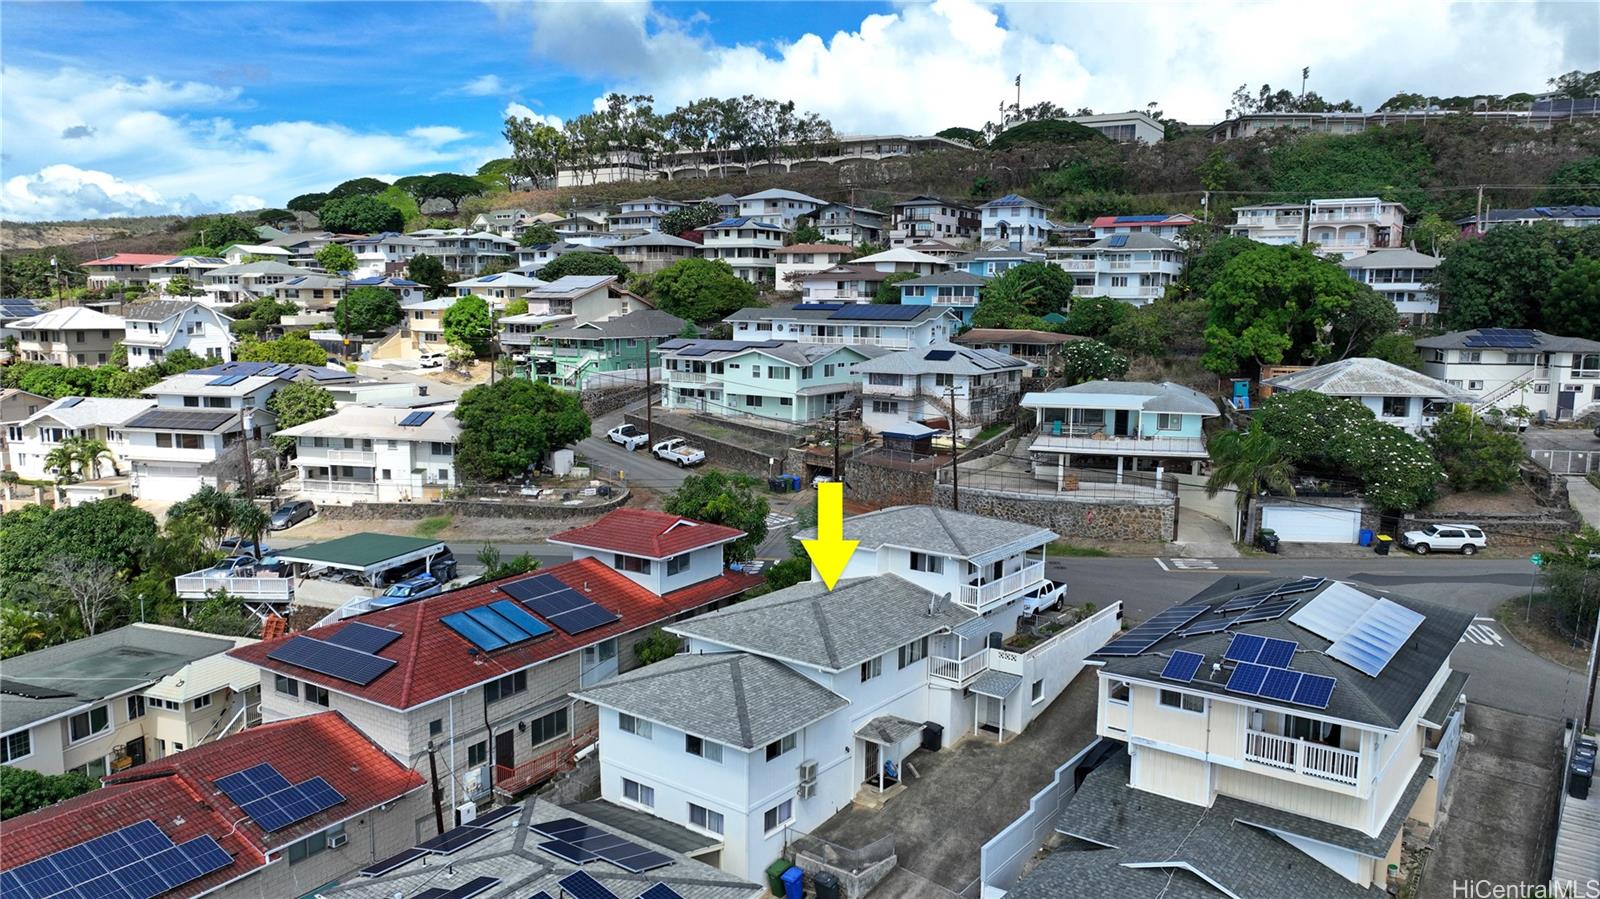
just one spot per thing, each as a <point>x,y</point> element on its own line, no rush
<point>775,875</point>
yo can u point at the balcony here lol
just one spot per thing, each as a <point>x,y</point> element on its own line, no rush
<point>509,780</point>
<point>872,389</point>
<point>1584,374</point>
<point>959,671</point>
<point>353,489</point>
<point>1347,216</point>
<point>983,595</point>
<point>1077,265</point>
<point>955,301</point>
<point>894,343</point>
<point>147,338</point>
<point>848,294</point>
<point>687,377</point>
<point>312,455</point>
<point>1341,766</point>
<point>262,589</point>
<point>1098,443</point>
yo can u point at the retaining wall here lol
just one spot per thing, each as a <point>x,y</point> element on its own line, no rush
<point>720,453</point>
<point>1099,520</point>
<point>472,508</point>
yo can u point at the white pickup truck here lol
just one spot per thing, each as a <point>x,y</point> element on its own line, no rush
<point>677,449</point>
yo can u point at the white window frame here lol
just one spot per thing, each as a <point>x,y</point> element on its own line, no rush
<point>643,796</point>
<point>632,724</point>
<point>88,715</point>
<point>710,750</point>
<point>8,754</point>
<point>1183,702</point>
<point>780,815</point>
<point>710,821</point>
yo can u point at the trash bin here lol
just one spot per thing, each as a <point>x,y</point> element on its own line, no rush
<point>1366,537</point>
<point>1579,775</point>
<point>775,872</point>
<point>932,735</point>
<point>777,485</point>
<point>1267,539</point>
<point>794,483</point>
<point>1381,547</point>
<point>794,884</point>
<point>827,885</point>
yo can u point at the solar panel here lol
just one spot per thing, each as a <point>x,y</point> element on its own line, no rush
<point>1247,678</point>
<point>939,355</point>
<point>274,803</point>
<point>1117,240</point>
<point>380,868</point>
<point>471,888</point>
<point>225,380</point>
<point>636,861</point>
<point>567,852</point>
<point>1244,601</point>
<point>693,351</point>
<point>552,604</point>
<point>69,402</point>
<point>541,895</point>
<point>1147,634</point>
<point>453,841</point>
<point>364,637</point>
<point>1182,666</point>
<point>528,588</point>
<point>580,885</point>
<point>1314,690</point>
<point>1274,608</point>
<point>1332,611</point>
<point>660,891</point>
<point>1280,684</point>
<point>1376,636</point>
<point>1208,627</point>
<point>497,624</point>
<point>1304,585</point>
<point>585,618</point>
<point>473,632</point>
<point>1244,648</point>
<point>519,616</point>
<point>876,312</point>
<point>134,861</point>
<point>1277,653</point>
<point>561,828</point>
<point>331,659</point>
<point>415,419</point>
<point>500,814</point>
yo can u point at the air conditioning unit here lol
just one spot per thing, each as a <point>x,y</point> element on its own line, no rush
<point>337,840</point>
<point>808,770</point>
<point>807,789</point>
<point>466,812</point>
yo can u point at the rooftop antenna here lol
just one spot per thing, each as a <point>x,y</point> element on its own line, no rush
<point>936,603</point>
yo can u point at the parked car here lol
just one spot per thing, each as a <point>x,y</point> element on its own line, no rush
<point>433,360</point>
<point>291,513</point>
<point>677,449</point>
<point>1048,596</point>
<point>628,437</point>
<point>1597,431</point>
<point>443,567</point>
<point>1463,538</point>
<point>415,587</point>
<point>232,566</point>
<point>238,546</point>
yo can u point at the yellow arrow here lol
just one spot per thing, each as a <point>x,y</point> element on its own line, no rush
<point>830,552</point>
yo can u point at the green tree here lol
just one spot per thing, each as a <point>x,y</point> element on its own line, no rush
<point>1433,234</point>
<point>467,323</point>
<point>583,264</point>
<point>450,187</point>
<point>1504,278</point>
<point>297,404</point>
<point>360,215</point>
<point>699,290</point>
<point>23,791</point>
<point>656,647</point>
<point>1091,360</point>
<point>971,135</point>
<point>691,218</point>
<point>307,202</point>
<point>538,234</point>
<point>537,148</point>
<point>113,532</point>
<point>1577,84</point>
<point>1046,288</point>
<point>275,217</point>
<point>507,428</point>
<point>1401,349</point>
<point>1338,438</point>
<point>1208,259</point>
<point>358,187</point>
<point>791,571</point>
<point>1250,463</point>
<point>31,275</point>
<point>1573,307</point>
<point>292,348</point>
<point>336,258</point>
<point>401,200</point>
<point>222,231</point>
<point>1045,131</point>
<point>1571,575</point>
<point>1005,304</point>
<point>181,286</point>
<point>495,568</point>
<point>518,306</point>
<point>731,500</point>
<point>1576,183</point>
<point>1096,316</point>
<point>805,231</point>
<point>366,310</point>
<point>209,508</point>
<point>888,293</point>
<point>1474,455</point>
<point>430,273</point>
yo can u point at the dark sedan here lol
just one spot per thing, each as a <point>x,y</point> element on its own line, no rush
<point>292,513</point>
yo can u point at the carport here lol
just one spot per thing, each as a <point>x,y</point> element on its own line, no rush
<point>366,554</point>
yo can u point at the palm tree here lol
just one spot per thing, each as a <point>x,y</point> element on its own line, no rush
<point>212,506</point>
<point>1251,462</point>
<point>65,462</point>
<point>249,521</point>
<point>88,452</point>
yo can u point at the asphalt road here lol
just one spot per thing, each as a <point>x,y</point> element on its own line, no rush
<point>638,467</point>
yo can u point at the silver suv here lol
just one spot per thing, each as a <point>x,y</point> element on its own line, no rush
<point>1463,538</point>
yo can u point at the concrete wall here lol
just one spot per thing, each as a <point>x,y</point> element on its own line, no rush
<point>881,485</point>
<point>1192,500</point>
<point>477,509</point>
<point>1069,518</point>
<point>720,453</point>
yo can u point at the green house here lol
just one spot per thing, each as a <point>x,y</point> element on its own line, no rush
<point>579,356</point>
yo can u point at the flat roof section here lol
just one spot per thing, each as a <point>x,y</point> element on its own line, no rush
<point>365,552</point>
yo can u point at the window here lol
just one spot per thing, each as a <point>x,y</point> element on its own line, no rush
<point>1470,356</point>
<point>778,371</point>
<point>477,753</point>
<point>190,441</point>
<point>752,400</point>
<point>871,668</point>
<point>1541,387</point>
<point>1396,406</point>
<point>286,685</point>
<point>638,793</point>
<point>164,441</point>
<point>1474,385</point>
<point>944,379</point>
<point>779,747</point>
<point>191,401</point>
<point>705,818</point>
<point>631,725</point>
<point>778,816</point>
<point>317,695</point>
<point>135,707</point>
<point>168,704</point>
<point>631,563</point>
<point>885,407</point>
<point>1172,699</point>
<point>510,685</point>
<point>678,564</point>
<point>706,749</point>
<point>204,702</point>
<point>913,652</point>
<point>547,727</point>
<point>85,725</point>
<point>1118,691</point>
<point>1167,421</point>
<point>1037,692</point>
<point>927,563</point>
<point>299,852</point>
<point>435,727</point>
<point>16,746</point>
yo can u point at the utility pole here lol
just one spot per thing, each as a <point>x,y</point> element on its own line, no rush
<point>438,793</point>
<point>1304,74</point>
<point>649,398</point>
<point>247,477</point>
<point>1019,95</point>
<point>955,453</point>
<point>1478,225</point>
<point>838,473</point>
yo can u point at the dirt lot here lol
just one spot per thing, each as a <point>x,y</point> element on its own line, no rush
<point>504,530</point>
<point>1514,500</point>
<point>1538,630</point>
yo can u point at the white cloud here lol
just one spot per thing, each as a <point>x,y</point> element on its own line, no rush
<point>521,111</point>
<point>483,86</point>
<point>65,191</point>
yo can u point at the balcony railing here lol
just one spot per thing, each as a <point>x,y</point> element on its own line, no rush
<point>1303,757</point>
<point>268,589</point>
<point>871,389</point>
<point>981,596</point>
<point>1585,373</point>
<point>341,456</point>
<point>1077,265</point>
<point>853,340</point>
<point>343,488</point>
<point>1045,441</point>
<point>959,670</point>
<point>510,780</point>
<point>686,377</point>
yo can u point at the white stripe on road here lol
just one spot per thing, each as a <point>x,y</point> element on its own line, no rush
<point>1162,564</point>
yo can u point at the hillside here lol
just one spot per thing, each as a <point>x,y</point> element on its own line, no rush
<point>150,234</point>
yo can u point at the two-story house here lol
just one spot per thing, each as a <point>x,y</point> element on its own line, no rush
<point>422,323</point>
<point>476,681</point>
<point>536,256</point>
<point>247,282</point>
<point>505,222</point>
<point>1565,216</point>
<point>160,327</point>
<point>1400,275</point>
<point>991,261</point>
<point>404,289</point>
<point>120,698</point>
<point>312,295</point>
<point>1354,226</point>
<point>381,454</point>
<point>855,324</point>
<point>653,251</point>
<point>577,355</point>
<point>747,245</point>
<point>1557,377</point>
<point>568,300</point>
<point>773,379</point>
<point>1041,349</point>
<point>847,282</point>
<point>16,407</point>
<point>944,386</point>
<point>957,290</point>
<point>1280,224</point>
<point>281,809</point>
<point>852,225</point>
<point>1274,740</point>
<point>239,253</point>
<point>468,252</point>
<point>191,267</point>
<point>120,269</point>
<point>1135,268</point>
<point>1165,226</point>
<point>779,207</point>
<point>932,218</point>
<point>32,439</point>
<point>1015,221</point>
<point>70,336</point>
<point>498,289</point>
<point>903,259</point>
<point>379,255</point>
<point>1396,395</point>
<point>643,214</point>
<point>1114,424</point>
<point>799,259</point>
<point>585,229</point>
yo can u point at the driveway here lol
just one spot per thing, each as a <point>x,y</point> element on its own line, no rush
<point>965,795</point>
<point>641,468</point>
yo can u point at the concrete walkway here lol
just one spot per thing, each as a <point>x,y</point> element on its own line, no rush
<point>1585,499</point>
<point>1202,537</point>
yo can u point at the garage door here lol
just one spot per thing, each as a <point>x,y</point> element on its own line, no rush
<point>1312,524</point>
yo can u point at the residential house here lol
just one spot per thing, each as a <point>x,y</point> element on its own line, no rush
<point>121,269</point>
<point>1135,268</point>
<point>784,708</point>
<point>196,819</point>
<point>1400,275</point>
<point>239,253</point>
<point>747,245</point>
<point>643,214</point>
<point>533,257</point>
<point>1354,226</point>
<point>468,252</point>
<point>1280,224</point>
<point>246,282</point>
<point>956,290</point>
<point>380,255</point>
<point>1124,127</point>
<point>933,218</point>
<point>161,273</point>
<point>498,289</point>
<point>120,698</point>
<point>70,336</point>
<point>903,259</point>
<point>30,440</point>
<point>775,379</point>
<point>1556,377</point>
<point>1258,752</point>
<point>375,454</point>
<point>1540,115</point>
<point>726,202</point>
<point>582,354</point>
<point>992,261</point>
<point>505,222</point>
<point>799,259</point>
<point>586,230</point>
<point>653,251</point>
<point>1017,222</point>
<point>1396,395</point>
<point>422,323</point>
<point>160,327</point>
<point>853,225</point>
<point>1167,227</point>
<point>568,300</point>
<point>474,681</point>
<point>859,324</point>
<point>942,250</point>
<point>303,246</point>
<point>775,206</point>
<point>16,407</point>
<point>313,295</point>
<point>944,386</point>
<point>1041,349</point>
<point>1565,216</point>
<point>1120,424</point>
<point>404,289</point>
<point>846,282</point>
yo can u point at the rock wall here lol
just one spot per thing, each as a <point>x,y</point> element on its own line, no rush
<point>1150,523</point>
<point>881,485</point>
<point>467,508</point>
<point>720,453</point>
<point>609,399</point>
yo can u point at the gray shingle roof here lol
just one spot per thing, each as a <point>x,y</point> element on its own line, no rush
<point>1163,397</point>
<point>789,313</point>
<point>635,324</point>
<point>1544,343</point>
<point>1368,377</point>
<point>655,239</point>
<point>1392,257</point>
<point>1137,240</point>
<point>734,698</point>
<point>956,277</point>
<point>787,351</point>
<point>943,532</point>
<point>933,359</point>
<point>860,619</point>
<point>157,310</point>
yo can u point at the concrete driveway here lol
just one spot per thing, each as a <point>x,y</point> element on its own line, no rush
<point>641,468</point>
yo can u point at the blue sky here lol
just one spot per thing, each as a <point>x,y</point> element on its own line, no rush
<point>140,108</point>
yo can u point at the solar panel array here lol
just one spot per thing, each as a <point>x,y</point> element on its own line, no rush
<point>495,626</point>
<point>467,890</point>
<point>1147,634</point>
<point>384,866</point>
<point>1503,338</point>
<point>599,843</point>
<point>226,380</point>
<point>363,637</point>
<point>560,605</point>
<point>1182,666</point>
<point>329,658</point>
<point>69,402</point>
<point>1261,650</point>
<point>660,891</point>
<point>136,862</point>
<point>1373,639</point>
<point>1117,240</point>
<point>876,312</point>
<point>1282,684</point>
<point>274,803</point>
<point>817,307</point>
<point>415,419</point>
<point>1262,604</point>
<point>455,839</point>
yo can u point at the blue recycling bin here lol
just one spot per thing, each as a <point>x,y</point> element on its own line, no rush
<point>794,483</point>
<point>1366,537</point>
<point>794,884</point>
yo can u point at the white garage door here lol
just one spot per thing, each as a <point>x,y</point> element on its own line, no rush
<point>1312,524</point>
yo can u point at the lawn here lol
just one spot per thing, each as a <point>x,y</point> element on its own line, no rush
<point>1063,548</point>
<point>432,527</point>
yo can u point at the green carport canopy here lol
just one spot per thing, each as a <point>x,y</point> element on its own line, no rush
<point>365,552</point>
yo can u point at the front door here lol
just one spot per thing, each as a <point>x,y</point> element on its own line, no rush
<point>991,713</point>
<point>869,759</point>
<point>505,749</point>
<point>1120,429</point>
<point>1564,403</point>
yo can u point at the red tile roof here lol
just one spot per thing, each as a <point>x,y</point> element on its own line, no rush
<point>434,660</point>
<point>128,259</point>
<point>178,795</point>
<point>642,532</point>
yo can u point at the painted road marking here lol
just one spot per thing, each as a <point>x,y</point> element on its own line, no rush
<point>1194,564</point>
<point>1162,564</point>
<point>1482,634</point>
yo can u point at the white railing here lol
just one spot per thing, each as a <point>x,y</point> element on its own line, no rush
<point>344,456</point>
<point>352,488</point>
<point>1046,441</point>
<point>954,301</point>
<point>686,377</point>
<point>270,589</point>
<point>872,389</point>
<point>890,342</point>
<point>1152,291</point>
<point>983,594</point>
<point>1120,266</point>
<point>1585,373</point>
<point>1084,290</point>
<point>1077,265</point>
<point>1301,757</point>
<point>959,670</point>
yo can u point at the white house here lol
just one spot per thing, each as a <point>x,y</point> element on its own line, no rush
<point>533,257</point>
<point>653,251</point>
<point>92,418</point>
<point>381,454</point>
<point>1557,377</point>
<point>155,329</point>
<point>643,214</point>
<point>506,222</point>
<point>796,260</point>
<point>460,250</point>
<point>1016,221</point>
<point>1354,226</point>
<point>1135,268</point>
<point>67,335</point>
<point>864,324</point>
<point>1168,226</point>
<point>847,282</point>
<point>1280,224</point>
<point>498,289</point>
<point>1398,396</point>
<point>1118,424</point>
<point>927,384</point>
<point>777,380</point>
<point>568,300</point>
<point>903,259</point>
<point>932,218</point>
<point>746,244</point>
<point>851,225</point>
<point>236,254</point>
<point>120,268</point>
<point>378,255</point>
<point>1124,127</point>
<point>247,282</point>
<point>776,206</point>
<point>191,267</point>
<point>1400,275</point>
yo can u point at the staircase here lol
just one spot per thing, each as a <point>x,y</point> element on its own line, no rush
<point>1518,382</point>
